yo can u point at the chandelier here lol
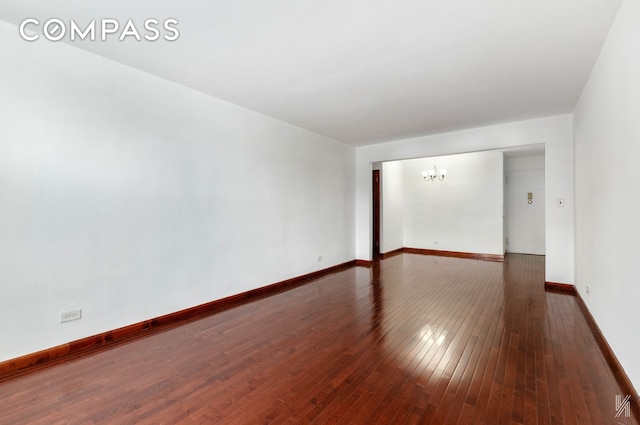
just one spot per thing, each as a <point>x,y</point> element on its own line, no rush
<point>434,173</point>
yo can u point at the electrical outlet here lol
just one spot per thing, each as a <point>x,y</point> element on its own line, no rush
<point>588,291</point>
<point>320,258</point>
<point>68,316</point>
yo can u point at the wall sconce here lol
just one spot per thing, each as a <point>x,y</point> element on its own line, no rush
<point>434,173</point>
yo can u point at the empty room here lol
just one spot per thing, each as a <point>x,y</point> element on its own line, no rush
<point>319,211</point>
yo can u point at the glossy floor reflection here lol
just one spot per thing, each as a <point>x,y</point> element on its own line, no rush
<point>415,339</point>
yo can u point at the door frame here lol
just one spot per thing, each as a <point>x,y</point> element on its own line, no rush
<point>375,177</point>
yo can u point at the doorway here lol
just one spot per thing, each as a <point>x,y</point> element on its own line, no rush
<point>525,205</point>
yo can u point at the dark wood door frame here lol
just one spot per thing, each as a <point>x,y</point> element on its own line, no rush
<point>376,214</point>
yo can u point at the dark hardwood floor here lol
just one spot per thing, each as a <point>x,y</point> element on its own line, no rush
<point>416,339</point>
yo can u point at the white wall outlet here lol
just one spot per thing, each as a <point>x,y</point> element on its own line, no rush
<point>588,290</point>
<point>320,258</point>
<point>68,316</point>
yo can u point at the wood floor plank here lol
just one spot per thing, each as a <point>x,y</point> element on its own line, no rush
<point>415,339</point>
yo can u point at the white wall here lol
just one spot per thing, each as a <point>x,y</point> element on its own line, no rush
<point>555,132</point>
<point>132,197</point>
<point>525,221</point>
<point>392,206</point>
<point>461,213</point>
<point>607,153</point>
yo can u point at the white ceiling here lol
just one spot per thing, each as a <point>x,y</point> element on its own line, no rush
<point>362,71</point>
